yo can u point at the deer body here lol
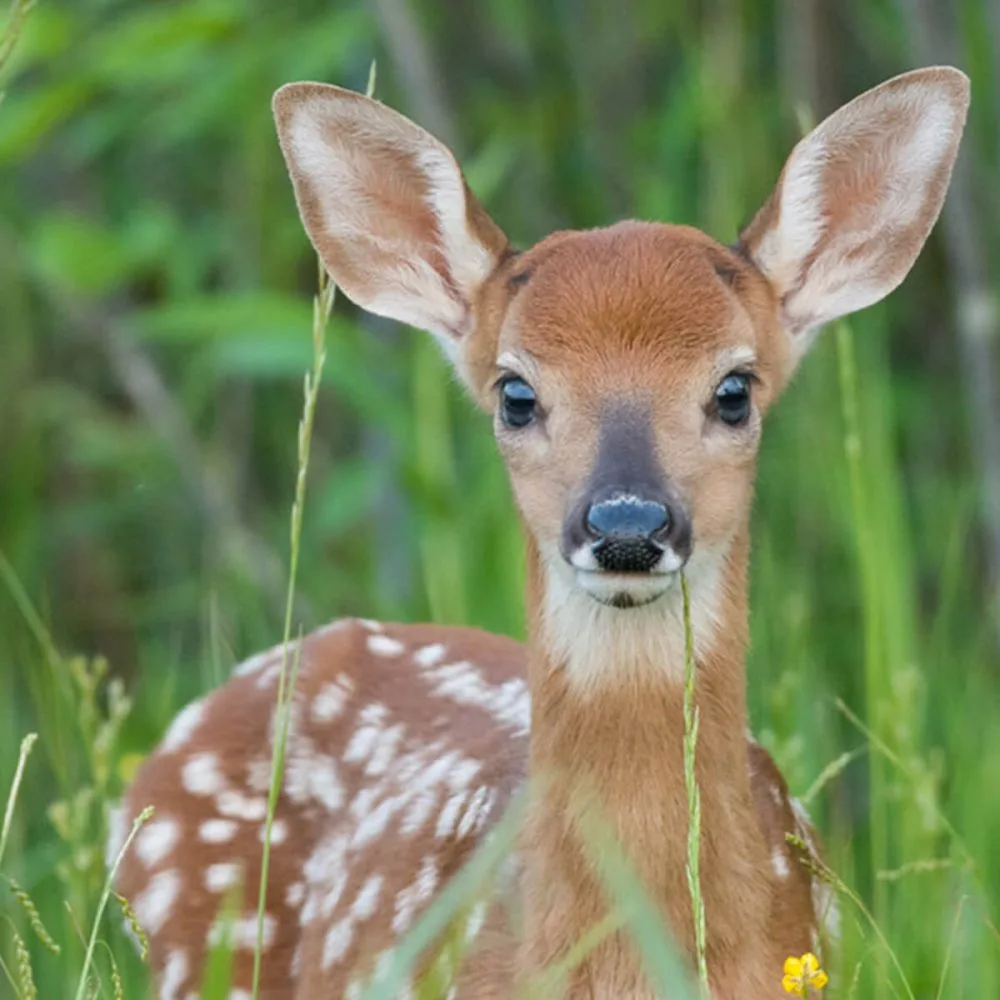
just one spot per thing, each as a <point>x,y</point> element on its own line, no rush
<point>629,370</point>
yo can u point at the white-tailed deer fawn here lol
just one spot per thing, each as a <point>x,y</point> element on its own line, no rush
<point>628,371</point>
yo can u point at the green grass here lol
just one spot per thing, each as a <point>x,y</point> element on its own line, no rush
<point>143,196</point>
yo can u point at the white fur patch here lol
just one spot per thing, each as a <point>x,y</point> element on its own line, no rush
<point>156,840</point>
<point>427,656</point>
<point>597,643</point>
<point>331,699</point>
<point>243,932</point>
<point>236,805</point>
<point>367,899</point>
<point>175,972</point>
<point>222,876</point>
<point>509,703</point>
<point>279,832</point>
<point>184,726</point>
<point>155,903</point>
<point>294,895</point>
<point>338,939</point>
<point>419,891</point>
<point>201,775</point>
<point>217,831</point>
<point>383,645</point>
<point>780,863</point>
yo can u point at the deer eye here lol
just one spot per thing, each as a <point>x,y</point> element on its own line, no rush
<point>732,399</point>
<point>517,402</point>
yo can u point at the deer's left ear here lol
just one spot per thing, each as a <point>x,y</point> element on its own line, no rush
<point>857,199</point>
<point>387,209</point>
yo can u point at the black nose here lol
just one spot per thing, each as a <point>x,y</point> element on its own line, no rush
<point>627,532</point>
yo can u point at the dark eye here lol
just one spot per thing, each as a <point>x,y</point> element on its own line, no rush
<point>517,402</point>
<point>732,399</point>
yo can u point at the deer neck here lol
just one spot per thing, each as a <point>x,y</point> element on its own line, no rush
<point>607,732</point>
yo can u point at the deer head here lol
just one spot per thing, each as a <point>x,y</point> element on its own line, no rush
<point>628,369</point>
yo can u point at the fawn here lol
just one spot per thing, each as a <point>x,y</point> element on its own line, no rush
<point>628,370</point>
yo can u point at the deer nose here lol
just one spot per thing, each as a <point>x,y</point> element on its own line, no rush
<point>627,532</point>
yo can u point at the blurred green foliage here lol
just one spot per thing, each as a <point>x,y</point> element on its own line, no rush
<point>155,325</point>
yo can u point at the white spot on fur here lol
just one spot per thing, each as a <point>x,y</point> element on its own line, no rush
<point>175,972</point>
<point>223,876</point>
<point>217,831</point>
<point>383,645</point>
<point>367,898</point>
<point>371,720</point>
<point>156,840</point>
<point>324,783</point>
<point>423,803</point>
<point>478,809</point>
<point>373,824</point>
<point>155,903</point>
<point>329,702</point>
<point>183,726</point>
<point>200,775</point>
<point>384,750</point>
<point>338,940</point>
<point>448,817</point>
<point>235,804</point>
<point>419,891</point>
<point>295,894</point>
<point>509,703</point>
<point>428,656</point>
<point>269,677</point>
<point>475,921</point>
<point>243,932</point>
<point>779,863</point>
<point>279,832</point>
<point>370,624</point>
<point>259,775</point>
<point>463,773</point>
<point>334,890</point>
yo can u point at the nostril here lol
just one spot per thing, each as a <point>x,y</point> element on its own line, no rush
<point>624,517</point>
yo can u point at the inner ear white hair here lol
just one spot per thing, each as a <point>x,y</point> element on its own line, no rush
<point>387,209</point>
<point>857,199</point>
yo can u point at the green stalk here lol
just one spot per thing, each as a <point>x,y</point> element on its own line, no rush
<point>874,645</point>
<point>8,817</point>
<point>322,307</point>
<point>15,24</point>
<point>137,824</point>
<point>693,794</point>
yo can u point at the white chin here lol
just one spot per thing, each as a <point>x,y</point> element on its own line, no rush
<point>625,590</point>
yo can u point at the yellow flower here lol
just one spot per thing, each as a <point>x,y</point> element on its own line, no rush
<point>802,974</point>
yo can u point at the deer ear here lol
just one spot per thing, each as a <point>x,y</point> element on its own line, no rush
<point>857,199</point>
<point>387,209</point>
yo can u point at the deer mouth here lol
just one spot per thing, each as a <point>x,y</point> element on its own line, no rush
<point>627,590</point>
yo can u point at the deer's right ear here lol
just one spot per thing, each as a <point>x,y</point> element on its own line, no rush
<point>387,209</point>
<point>857,199</point>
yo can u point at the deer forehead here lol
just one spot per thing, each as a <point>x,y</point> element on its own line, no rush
<point>651,309</point>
